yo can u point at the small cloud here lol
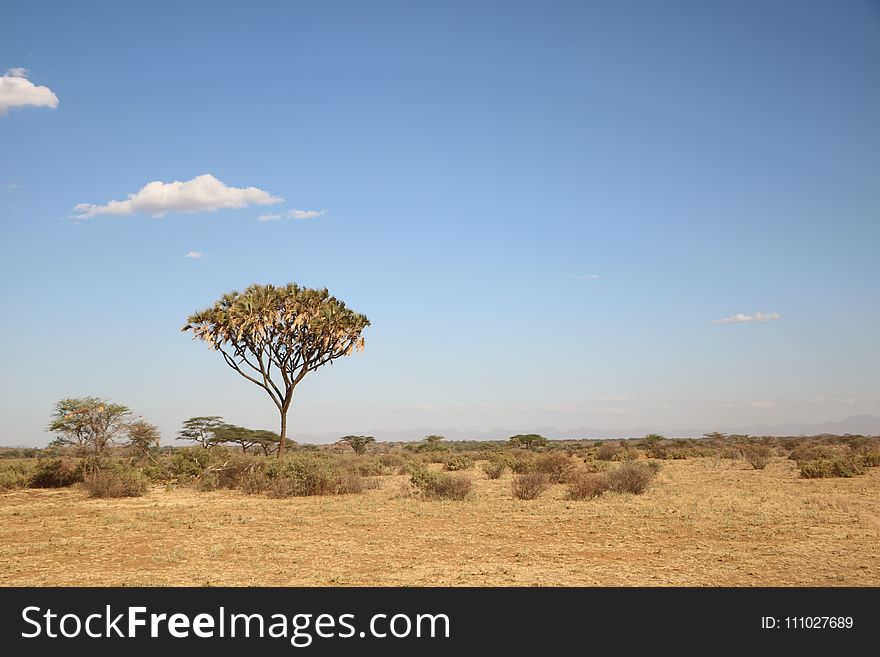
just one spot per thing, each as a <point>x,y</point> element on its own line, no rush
<point>17,91</point>
<point>269,217</point>
<point>740,317</point>
<point>305,214</point>
<point>201,194</point>
<point>584,277</point>
<point>195,255</point>
<point>614,399</point>
<point>12,187</point>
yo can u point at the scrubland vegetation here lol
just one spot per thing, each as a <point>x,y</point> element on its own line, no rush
<point>551,512</point>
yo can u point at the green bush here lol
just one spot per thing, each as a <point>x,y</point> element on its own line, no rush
<point>438,485</point>
<point>15,475</point>
<point>155,473</point>
<point>189,462</point>
<point>823,468</point>
<point>870,459</point>
<point>307,473</point>
<point>530,485</point>
<point>115,482</point>
<point>457,462</point>
<point>56,473</point>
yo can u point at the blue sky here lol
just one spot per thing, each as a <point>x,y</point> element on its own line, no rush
<point>543,208</point>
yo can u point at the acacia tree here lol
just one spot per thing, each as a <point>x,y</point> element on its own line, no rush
<point>200,429</point>
<point>528,440</point>
<point>143,437</point>
<point>274,336</point>
<point>358,443</point>
<point>88,423</point>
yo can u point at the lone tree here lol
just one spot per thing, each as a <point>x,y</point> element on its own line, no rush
<point>201,429</point>
<point>528,440</point>
<point>358,443</point>
<point>88,423</point>
<point>274,336</point>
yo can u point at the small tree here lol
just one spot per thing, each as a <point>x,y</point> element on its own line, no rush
<point>143,437</point>
<point>88,423</point>
<point>528,440</point>
<point>200,429</point>
<point>274,336</point>
<point>358,443</point>
<point>651,439</point>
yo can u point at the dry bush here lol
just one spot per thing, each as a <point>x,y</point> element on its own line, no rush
<point>391,460</point>
<point>494,468</point>
<point>757,456</point>
<point>870,459</point>
<point>253,483</point>
<point>629,478</point>
<point>586,486</point>
<point>607,451</point>
<point>115,483</point>
<point>530,485</point>
<point>556,465</point>
<point>446,486</point>
<point>56,473</point>
<point>627,454</point>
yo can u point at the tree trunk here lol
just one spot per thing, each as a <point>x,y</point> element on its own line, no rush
<point>283,433</point>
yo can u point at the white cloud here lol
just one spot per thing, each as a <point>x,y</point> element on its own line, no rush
<point>305,214</point>
<point>201,194</point>
<point>740,317</point>
<point>12,187</point>
<point>195,255</point>
<point>584,277</point>
<point>269,217</point>
<point>17,91</point>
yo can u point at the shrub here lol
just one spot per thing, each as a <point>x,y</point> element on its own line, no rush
<point>657,451</point>
<point>207,481</point>
<point>115,482</point>
<point>494,468</point>
<point>306,473</point>
<point>530,485</point>
<point>439,485</point>
<point>626,454</point>
<point>457,462</point>
<point>189,462</point>
<point>391,460</point>
<point>607,451</point>
<point>629,478</point>
<point>155,472</point>
<point>520,462</point>
<point>253,483</point>
<point>556,465</point>
<point>586,486</point>
<point>870,459</point>
<point>654,466</point>
<point>757,456</point>
<point>14,476</point>
<point>56,473</point>
<point>822,468</point>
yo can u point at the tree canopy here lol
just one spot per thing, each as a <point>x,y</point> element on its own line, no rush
<point>88,423</point>
<point>528,440</point>
<point>274,336</point>
<point>200,429</point>
<point>358,443</point>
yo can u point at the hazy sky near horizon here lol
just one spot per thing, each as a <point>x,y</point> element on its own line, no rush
<point>605,214</point>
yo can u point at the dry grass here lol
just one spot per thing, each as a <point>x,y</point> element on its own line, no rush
<point>703,522</point>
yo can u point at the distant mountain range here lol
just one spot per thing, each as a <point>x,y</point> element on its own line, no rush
<point>868,425</point>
